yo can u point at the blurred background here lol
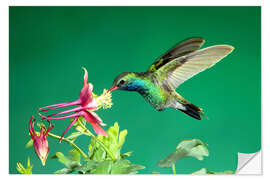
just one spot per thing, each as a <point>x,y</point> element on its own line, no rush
<point>49,45</point>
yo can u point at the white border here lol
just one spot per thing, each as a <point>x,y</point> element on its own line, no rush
<point>4,73</point>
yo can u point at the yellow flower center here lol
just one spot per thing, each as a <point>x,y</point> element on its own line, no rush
<point>104,100</point>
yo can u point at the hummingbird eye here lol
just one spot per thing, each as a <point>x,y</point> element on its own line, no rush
<point>122,82</point>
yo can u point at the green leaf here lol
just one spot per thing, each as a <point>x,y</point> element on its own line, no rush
<point>113,133</point>
<point>20,168</point>
<point>24,170</point>
<point>125,167</point>
<point>122,138</point>
<point>91,147</point>
<point>133,168</point>
<point>73,136</point>
<point>64,171</point>
<point>127,154</point>
<point>103,167</point>
<point>113,142</point>
<point>204,171</point>
<point>99,155</point>
<point>29,143</point>
<point>63,159</point>
<point>186,148</point>
<point>71,161</point>
<point>87,167</point>
<point>75,155</point>
<point>155,172</point>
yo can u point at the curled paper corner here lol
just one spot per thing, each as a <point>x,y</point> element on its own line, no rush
<point>249,163</point>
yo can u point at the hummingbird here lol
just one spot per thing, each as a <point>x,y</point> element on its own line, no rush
<point>158,84</point>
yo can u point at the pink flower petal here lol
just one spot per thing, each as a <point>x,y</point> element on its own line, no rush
<point>89,117</point>
<point>86,92</point>
<point>85,95</point>
<point>97,118</point>
<point>92,104</point>
<point>85,77</point>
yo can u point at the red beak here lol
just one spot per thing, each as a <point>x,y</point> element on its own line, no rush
<point>113,88</point>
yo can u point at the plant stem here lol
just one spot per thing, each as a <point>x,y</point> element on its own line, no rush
<point>173,169</point>
<point>69,142</point>
<point>87,132</point>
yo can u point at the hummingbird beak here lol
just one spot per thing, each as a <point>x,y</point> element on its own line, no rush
<point>113,88</point>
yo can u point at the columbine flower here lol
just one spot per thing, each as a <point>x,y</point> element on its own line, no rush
<point>40,142</point>
<point>88,102</point>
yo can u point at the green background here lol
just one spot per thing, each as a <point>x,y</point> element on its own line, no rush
<point>49,45</point>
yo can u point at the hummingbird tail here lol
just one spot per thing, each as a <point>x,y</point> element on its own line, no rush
<point>192,110</point>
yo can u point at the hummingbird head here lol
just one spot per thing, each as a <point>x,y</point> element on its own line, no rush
<point>126,81</point>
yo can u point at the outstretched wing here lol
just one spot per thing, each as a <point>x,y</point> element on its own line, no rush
<point>183,48</point>
<point>183,68</point>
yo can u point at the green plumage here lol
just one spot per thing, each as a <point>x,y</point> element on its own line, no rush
<point>157,85</point>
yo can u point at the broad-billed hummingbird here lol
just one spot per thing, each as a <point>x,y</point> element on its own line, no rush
<point>157,85</point>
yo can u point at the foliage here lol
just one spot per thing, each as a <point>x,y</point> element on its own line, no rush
<point>204,171</point>
<point>104,154</point>
<point>99,160</point>
<point>24,170</point>
<point>186,148</point>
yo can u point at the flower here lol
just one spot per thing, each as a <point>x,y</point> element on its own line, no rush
<point>88,102</point>
<point>40,142</point>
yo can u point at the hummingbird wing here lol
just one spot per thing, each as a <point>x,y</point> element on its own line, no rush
<point>183,68</point>
<point>181,49</point>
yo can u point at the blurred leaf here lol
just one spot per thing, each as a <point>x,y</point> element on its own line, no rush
<point>125,167</point>
<point>99,155</point>
<point>120,167</point>
<point>103,167</point>
<point>155,172</point>
<point>204,171</point>
<point>63,159</point>
<point>29,143</point>
<point>28,162</point>
<point>91,147</point>
<point>87,167</point>
<point>24,170</point>
<point>74,155</point>
<point>186,148</point>
<point>72,161</point>
<point>73,136</point>
<point>194,148</point>
<point>64,171</point>
<point>127,154</point>
<point>133,168</point>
